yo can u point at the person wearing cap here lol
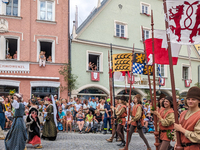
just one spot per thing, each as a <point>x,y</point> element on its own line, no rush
<point>33,125</point>
<point>2,118</point>
<point>189,122</point>
<point>17,135</point>
<point>107,116</point>
<point>137,114</point>
<point>121,114</point>
<point>50,129</point>
<point>166,122</point>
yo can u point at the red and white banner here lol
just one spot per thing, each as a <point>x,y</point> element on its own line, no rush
<point>95,76</point>
<point>162,81</point>
<point>184,20</point>
<point>187,83</point>
<point>160,49</point>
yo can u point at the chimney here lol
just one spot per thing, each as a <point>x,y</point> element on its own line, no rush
<point>99,4</point>
<point>74,30</point>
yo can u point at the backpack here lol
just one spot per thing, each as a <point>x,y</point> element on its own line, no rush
<point>60,126</point>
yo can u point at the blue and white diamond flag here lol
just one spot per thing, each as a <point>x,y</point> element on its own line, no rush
<point>138,68</point>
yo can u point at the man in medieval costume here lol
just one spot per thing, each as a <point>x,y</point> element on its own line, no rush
<point>17,136</point>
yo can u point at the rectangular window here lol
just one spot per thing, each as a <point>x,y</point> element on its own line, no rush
<point>12,8</point>
<point>11,48</point>
<point>120,30</point>
<point>162,70</point>
<point>46,48</point>
<point>145,9</point>
<point>146,34</point>
<point>46,10</point>
<point>94,61</point>
<point>185,73</point>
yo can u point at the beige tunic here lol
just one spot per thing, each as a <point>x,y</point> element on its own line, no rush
<point>169,120</point>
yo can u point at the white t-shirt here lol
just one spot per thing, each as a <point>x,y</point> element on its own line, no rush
<point>86,106</point>
<point>8,114</point>
<point>78,106</point>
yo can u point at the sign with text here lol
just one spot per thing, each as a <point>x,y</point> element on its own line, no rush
<point>122,62</point>
<point>14,66</point>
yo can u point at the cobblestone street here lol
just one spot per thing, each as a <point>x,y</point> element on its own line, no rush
<point>76,141</point>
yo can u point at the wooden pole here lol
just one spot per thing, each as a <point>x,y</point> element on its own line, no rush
<point>129,101</point>
<point>111,94</point>
<point>156,133</point>
<point>178,146</point>
<point>146,64</point>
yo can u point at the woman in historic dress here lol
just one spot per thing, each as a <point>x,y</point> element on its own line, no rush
<point>137,113</point>
<point>2,118</point>
<point>33,125</point>
<point>50,129</point>
<point>189,122</point>
<point>17,136</point>
<point>166,122</point>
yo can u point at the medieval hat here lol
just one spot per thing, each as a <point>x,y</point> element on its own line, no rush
<point>194,92</point>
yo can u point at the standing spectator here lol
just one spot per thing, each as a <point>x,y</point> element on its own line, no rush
<point>100,107</point>
<point>107,116</point>
<point>64,106</point>
<point>86,106</point>
<point>69,119</point>
<point>7,103</point>
<point>98,120</point>
<point>78,105</point>
<point>2,113</point>
<point>144,101</point>
<point>97,101</point>
<point>80,116</point>
<point>55,97</point>
<point>89,121</point>
<point>62,118</point>
<point>93,104</point>
<point>9,117</point>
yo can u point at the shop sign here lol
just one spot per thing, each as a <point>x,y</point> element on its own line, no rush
<point>14,66</point>
<point>95,76</point>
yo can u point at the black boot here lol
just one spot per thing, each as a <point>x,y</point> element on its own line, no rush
<point>120,144</point>
<point>123,144</point>
<point>105,132</point>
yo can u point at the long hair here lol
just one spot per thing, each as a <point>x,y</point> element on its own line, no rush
<point>170,99</point>
<point>139,100</point>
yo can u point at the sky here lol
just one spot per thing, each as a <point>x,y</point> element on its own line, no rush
<point>85,7</point>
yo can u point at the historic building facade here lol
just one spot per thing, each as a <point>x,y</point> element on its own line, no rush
<point>119,22</point>
<point>33,32</point>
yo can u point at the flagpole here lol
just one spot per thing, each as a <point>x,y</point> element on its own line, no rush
<point>111,94</point>
<point>156,133</point>
<point>150,90</point>
<point>129,101</point>
<point>178,146</point>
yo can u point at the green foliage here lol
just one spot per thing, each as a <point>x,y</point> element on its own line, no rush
<point>69,78</point>
<point>170,134</point>
<point>148,94</point>
<point>197,84</point>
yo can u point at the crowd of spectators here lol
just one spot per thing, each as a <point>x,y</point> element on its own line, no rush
<point>75,114</point>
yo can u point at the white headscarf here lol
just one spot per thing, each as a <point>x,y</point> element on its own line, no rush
<point>54,110</point>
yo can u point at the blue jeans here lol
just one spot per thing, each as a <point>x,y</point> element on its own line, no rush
<point>105,120</point>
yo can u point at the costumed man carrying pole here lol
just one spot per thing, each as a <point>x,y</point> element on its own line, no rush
<point>189,122</point>
<point>17,136</point>
<point>121,114</point>
<point>137,121</point>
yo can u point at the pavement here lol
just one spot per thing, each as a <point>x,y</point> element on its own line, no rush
<point>91,141</point>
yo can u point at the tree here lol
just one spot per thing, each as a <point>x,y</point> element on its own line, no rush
<point>197,84</point>
<point>69,78</point>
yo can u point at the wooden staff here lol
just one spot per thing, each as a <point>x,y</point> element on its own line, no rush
<point>146,64</point>
<point>110,85</point>
<point>178,146</point>
<point>156,133</point>
<point>129,101</point>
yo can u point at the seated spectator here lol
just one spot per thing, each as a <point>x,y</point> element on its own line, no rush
<point>148,122</point>
<point>9,118</point>
<point>64,105</point>
<point>146,108</point>
<point>98,120</point>
<point>89,121</point>
<point>86,106</point>
<point>80,116</point>
<point>77,106</point>
<point>69,120</point>
<point>61,118</point>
